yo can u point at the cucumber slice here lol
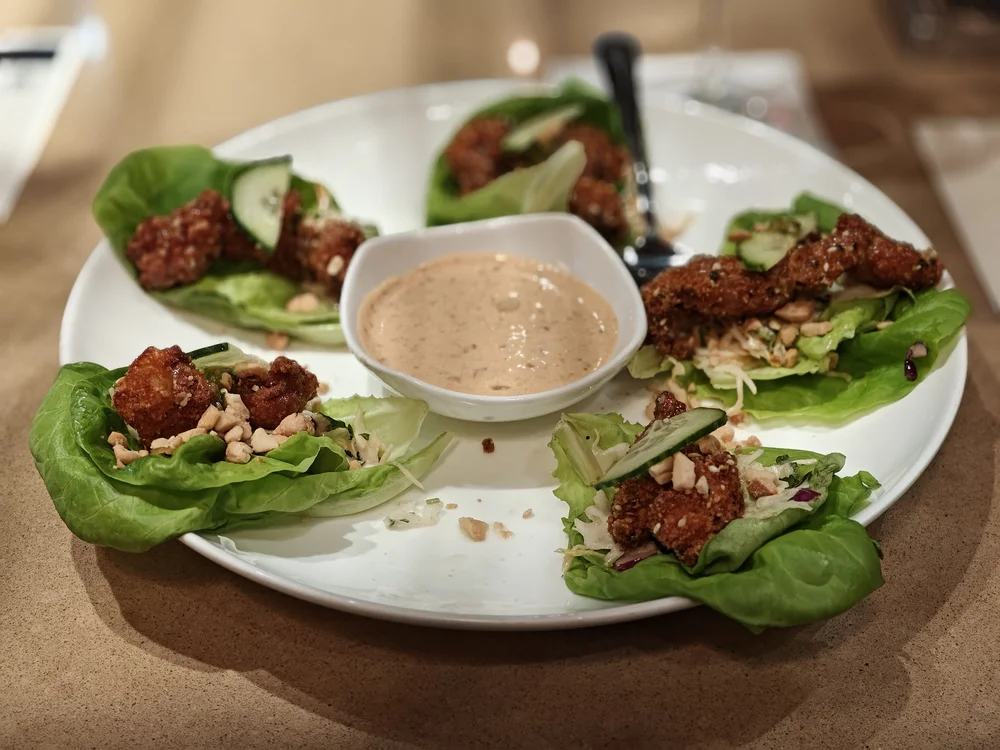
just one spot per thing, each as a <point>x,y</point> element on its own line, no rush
<point>209,351</point>
<point>763,249</point>
<point>552,184</point>
<point>663,438</point>
<point>540,129</point>
<point>258,199</point>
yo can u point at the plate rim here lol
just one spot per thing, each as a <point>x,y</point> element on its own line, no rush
<point>603,615</point>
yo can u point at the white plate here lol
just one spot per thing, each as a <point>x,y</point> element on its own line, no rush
<point>374,152</point>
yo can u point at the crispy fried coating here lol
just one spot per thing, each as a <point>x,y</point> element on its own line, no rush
<point>666,405</point>
<point>681,521</point>
<point>632,500</point>
<point>178,248</point>
<point>475,155</point>
<point>325,247</point>
<point>599,204</point>
<point>605,160</point>
<point>162,394</point>
<point>683,304</point>
<point>886,262</point>
<point>285,389</point>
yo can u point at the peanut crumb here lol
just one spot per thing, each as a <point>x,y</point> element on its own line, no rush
<point>278,341</point>
<point>451,506</point>
<point>502,530</point>
<point>473,528</point>
<point>528,513</point>
<point>322,389</point>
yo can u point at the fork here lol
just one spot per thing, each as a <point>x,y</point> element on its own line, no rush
<point>649,253</point>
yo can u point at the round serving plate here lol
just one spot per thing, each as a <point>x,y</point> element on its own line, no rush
<point>375,153</point>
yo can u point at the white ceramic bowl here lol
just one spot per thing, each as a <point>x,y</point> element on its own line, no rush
<point>555,239</point>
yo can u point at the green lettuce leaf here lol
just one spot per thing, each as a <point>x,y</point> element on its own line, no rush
<point>790,568</point>
<point>156,181</point>
<point>157,498</point>
<point>543,187</point>
<point>870,366</point>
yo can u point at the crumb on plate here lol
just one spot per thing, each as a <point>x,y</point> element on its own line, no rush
<point>473,528</point>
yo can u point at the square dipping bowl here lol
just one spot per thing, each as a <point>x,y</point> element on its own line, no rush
<point>560,240</point>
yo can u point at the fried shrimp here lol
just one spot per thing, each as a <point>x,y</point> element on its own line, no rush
<point>284,389</point>
<point>605,160</point>
<point>599,204</point>
<point>178,248</point>
<point>709,293</point>
<point>162,394</point>
<point>475,155</point>
<point>325,247</point>
<point>681,521</point>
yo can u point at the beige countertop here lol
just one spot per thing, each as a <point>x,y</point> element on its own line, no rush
<point>165,649</point>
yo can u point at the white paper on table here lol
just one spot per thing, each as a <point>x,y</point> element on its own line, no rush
<point>963,158</point>
<point>777,76</point>
<point>32,95</point>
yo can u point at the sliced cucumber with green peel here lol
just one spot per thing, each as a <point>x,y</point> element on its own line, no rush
<point>549,190</point>
<point>540,129</point>
<point>258,199</point>
<point>766,247</point>
<point>662,439</point>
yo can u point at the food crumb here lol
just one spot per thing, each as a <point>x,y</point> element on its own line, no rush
<point>488,446</point>
<point>528,513</point>
<point>473,528</point>
<point>322,389</point>
<point>502,530</point>
<point>479,499</point>
<point>278,341</point>
<point>451,506</point>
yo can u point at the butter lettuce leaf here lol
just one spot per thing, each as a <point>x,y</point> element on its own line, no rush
<point>157,498</point>
<point>796,566</point>
<point>156,181</point>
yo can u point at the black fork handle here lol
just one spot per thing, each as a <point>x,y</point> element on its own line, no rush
<point>617,53</point>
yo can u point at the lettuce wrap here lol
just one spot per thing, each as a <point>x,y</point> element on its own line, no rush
<point>155,182</point>
<point>158,497</point>
<point>544,186</point>
<point>857,366</point>
<point>784,563</point>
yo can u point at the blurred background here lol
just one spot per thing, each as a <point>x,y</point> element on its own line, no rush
<point>905,91</point>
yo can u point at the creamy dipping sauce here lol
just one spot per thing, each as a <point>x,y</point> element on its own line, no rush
<point>489,325</point>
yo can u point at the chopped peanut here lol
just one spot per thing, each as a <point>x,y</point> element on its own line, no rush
<point>663,471</point>
<point>701,486</point>
<point>787,334</point>
<point>451,506</point>
<point>116,438</point>
<point>336,265</point>
<point>210,418</point>
<point>277,340</point>
<point>322,389</point>
<point>193,432</point>
<point>295,423</point>
<point>502,530</point>
<point>303,303</point>
<point>473,528</point>
<point>816,329</point>
<point>161,445</point>
<point>235,435</point>
<point>123,456</point>
<point>683,476</point>
<point>798,311</point>
<point>238,453</point>
<point>791,357</point>
<point>226,380</point>
<point>528,513</point>
<point>354,464</point>
<point>261,442</point>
